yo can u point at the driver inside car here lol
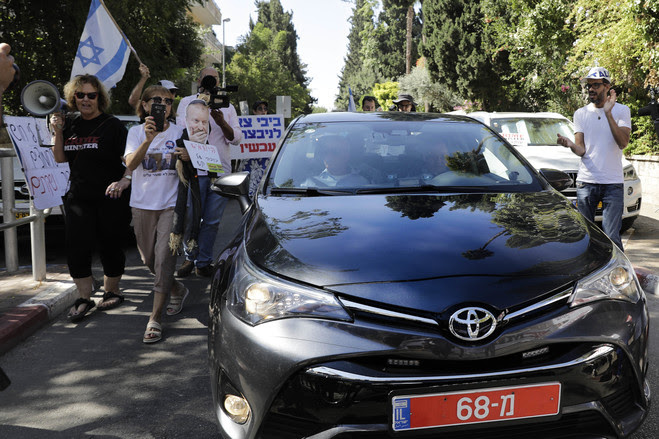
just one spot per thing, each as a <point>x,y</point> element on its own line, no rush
<point>336,154</point>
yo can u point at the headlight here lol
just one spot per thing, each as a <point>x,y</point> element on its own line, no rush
<point>615,281</point>
<point>255,296</point>
<point>629,173</point>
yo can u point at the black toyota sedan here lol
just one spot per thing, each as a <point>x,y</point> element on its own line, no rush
<point>411,275</point>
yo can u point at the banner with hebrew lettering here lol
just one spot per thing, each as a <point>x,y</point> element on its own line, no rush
<point>260,136</point>
<point>47,180</point>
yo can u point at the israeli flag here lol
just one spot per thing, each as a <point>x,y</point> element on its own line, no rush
<point>103,51</point>
<point>351,103</point>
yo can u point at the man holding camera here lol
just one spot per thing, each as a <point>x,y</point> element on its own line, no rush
<point>224,131</point>
<point>601,132</point>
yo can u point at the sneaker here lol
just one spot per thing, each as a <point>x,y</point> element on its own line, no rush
<point>185,269</point>
<point>206,271</point>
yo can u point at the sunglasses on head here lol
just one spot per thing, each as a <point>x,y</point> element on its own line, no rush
<point>594,85</point>
<point>158,100</point>
<point>90,96</point>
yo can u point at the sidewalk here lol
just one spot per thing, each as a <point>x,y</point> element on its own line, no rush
<point>27,305</point>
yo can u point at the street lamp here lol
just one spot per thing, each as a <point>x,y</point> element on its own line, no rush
<point>224,81</point>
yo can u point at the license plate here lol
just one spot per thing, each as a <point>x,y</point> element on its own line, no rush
<point>411,412</point>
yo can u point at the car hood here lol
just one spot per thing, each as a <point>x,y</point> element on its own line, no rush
<point>550,156</point>
<point>421,251</point>
<point>554,157</point>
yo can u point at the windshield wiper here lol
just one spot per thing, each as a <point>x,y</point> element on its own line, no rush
<point>310,191</point>
<point>427,188</point>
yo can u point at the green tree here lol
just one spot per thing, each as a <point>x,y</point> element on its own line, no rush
<point>357,73</point>
<point>433,95</point>
<point>44,36</point>
<point>256,67</point>
<point>390,39</point>
<point>272,15</point>
<point>459,48</point>
<point>385,93</point>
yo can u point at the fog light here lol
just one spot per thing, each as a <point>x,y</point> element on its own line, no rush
<point>237,408</point>
<point>619,277</point>
<point>630,190</point>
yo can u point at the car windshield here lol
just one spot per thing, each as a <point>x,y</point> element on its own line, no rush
<point>390,155</point>
<point>532,131</point>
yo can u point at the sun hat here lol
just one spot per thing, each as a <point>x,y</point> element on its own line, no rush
<point>169,85</point>
<point>598,73</point>
<point>404,97</point>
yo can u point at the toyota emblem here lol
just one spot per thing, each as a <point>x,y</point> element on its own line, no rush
<point>472,324</point>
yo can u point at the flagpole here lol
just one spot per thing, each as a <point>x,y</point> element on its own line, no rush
<point>130,46</point>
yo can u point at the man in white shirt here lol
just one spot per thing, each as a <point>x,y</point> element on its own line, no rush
<point>602,130</point>
<point>224,131</point>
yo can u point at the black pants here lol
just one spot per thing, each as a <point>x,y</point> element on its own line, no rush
<point>95,225</point>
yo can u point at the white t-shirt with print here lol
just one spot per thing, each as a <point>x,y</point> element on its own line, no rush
<point>155,181</point>
<point>602,162</point>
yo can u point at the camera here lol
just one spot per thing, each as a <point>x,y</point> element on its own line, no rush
<point>217,97</point>
<point>652,109</point>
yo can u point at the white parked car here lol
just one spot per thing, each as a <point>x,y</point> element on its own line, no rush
<point>534,135</point>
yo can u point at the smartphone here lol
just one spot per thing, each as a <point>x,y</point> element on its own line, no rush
<point>158,113</point>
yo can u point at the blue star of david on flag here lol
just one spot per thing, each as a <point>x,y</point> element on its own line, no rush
<point>103,50</point>
<point>95,51</point>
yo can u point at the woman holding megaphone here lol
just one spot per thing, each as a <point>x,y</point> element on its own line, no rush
<point>96,210</point>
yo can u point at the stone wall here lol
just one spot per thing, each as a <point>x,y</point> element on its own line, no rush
<point>647,167</point>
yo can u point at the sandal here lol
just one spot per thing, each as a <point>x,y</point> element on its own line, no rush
<point>117,299</point>
<point>89,304</point>
<point>153,333</point>
<point>176,302</point>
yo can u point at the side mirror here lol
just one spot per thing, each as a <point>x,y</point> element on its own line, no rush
<point>559,180</point>
<point>236,186</point>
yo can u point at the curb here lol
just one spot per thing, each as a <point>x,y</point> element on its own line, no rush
<point>25,319</point>
<point>649,281</point>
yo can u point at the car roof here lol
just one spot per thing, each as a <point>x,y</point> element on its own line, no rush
<point>516,114</point>
<point>378,117</point>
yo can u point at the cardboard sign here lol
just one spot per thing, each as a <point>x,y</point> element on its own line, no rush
<point>515,139</point>
<point>204,156</point>
<point>47,180</point>
<point>261,135</point>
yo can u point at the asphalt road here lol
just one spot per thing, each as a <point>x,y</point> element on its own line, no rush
<point>98,380</point>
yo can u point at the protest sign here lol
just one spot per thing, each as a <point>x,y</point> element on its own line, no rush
<point>47,180</point>
<point>204,156</point>
<point>260,136</point>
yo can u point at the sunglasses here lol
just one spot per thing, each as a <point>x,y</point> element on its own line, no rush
<point>594,85</point>
<point>158,100</point>
<point>91,96</point>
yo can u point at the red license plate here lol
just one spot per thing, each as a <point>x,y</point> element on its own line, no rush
<point>412,412</point>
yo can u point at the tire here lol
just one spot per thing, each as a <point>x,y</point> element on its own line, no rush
<point>627,223</point>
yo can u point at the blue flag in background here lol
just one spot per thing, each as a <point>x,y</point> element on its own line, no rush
<point>351,103</point>
<point>103,50</point>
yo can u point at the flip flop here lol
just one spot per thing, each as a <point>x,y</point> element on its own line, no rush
<point>176,303</point>
<point>80,301</point>
<point>107,296</point>
<point>153,333</point>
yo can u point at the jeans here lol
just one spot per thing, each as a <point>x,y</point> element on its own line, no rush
<point>612,197</point>
<point>212,207</point>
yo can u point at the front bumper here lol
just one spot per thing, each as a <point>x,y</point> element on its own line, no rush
<point>324,379</point>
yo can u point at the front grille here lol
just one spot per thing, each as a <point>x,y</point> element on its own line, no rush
<point>577,425</point>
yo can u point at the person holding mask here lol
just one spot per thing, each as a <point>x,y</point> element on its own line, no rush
<point>601,131</point>
<point>224,131</point>
<point>152,200</point>
<point>96,212</point>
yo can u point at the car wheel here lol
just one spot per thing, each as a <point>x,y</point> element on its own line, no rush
<point>627,223</point>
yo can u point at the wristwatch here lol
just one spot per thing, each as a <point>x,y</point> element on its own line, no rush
<point>129,177</point>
